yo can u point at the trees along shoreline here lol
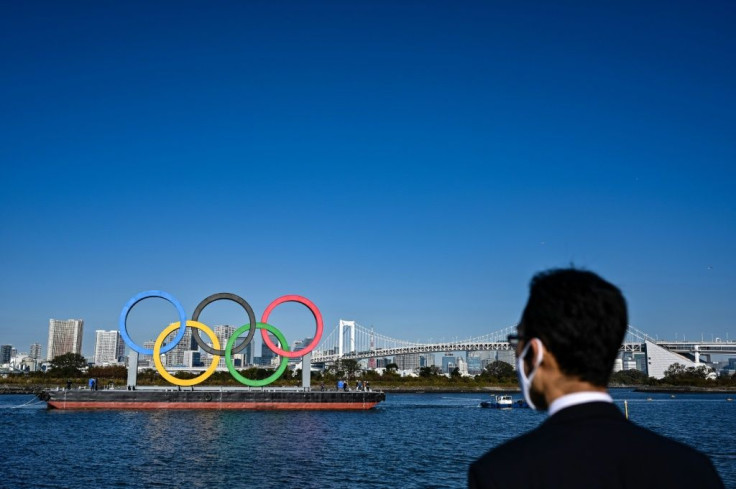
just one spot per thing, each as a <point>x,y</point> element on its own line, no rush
<point>497,375</point>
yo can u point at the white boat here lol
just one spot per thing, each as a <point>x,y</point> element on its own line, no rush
<point>503,401</point>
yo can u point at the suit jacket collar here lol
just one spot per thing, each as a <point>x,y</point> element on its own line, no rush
<point>588,410</point>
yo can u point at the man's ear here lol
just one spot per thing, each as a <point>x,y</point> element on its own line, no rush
<point>549,362</point>
<point>535,349</point>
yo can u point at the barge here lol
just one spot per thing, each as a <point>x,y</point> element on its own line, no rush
<point>255,396</point>
<point>211,398</point>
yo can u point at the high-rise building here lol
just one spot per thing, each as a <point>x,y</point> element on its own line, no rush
<point>641,362</point>
<point>296,346</point>
<point>426,360</point>
<point>176,356</point>
<point>449,362</point>
<point>300,344</point>
<point>6,352</point>
<point>223,334</point>
<point>35,351</point>
<point>407,362</point>
<point>267,355</point>
<point>508,356</point>
<point>382,362</point>
<point>239,359</point>
<point>192,358</point>
<point>474,364</point>
<point>462,366</point>
<point>64,337</point>
<point>109,347</point>
<point>247,355</point>
<point>146,360</point>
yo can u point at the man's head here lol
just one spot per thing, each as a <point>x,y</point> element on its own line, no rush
<point>580,318</point>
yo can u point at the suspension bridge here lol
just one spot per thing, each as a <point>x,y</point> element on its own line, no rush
<point>350,340</point>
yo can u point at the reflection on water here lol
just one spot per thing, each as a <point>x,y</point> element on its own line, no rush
<point>411,440</point>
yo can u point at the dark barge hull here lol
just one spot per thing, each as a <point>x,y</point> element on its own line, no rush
<point>211,399</point>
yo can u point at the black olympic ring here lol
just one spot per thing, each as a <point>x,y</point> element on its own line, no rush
<point>229,297</point>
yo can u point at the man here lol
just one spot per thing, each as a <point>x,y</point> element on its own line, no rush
<point>568,339</point>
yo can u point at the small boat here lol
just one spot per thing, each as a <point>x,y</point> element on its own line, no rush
<point>504,402</point>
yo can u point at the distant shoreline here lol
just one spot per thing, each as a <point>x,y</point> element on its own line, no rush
<point>430,389</point>
<point>675,389</point>
<point>35,388</point>
<point>24,389</point>
<point>418,389</point>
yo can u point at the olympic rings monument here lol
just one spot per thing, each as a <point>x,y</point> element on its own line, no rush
<point>254,395</point>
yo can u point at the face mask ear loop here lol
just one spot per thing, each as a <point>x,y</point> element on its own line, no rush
<point>537,359</point>
<point>524,381</point>
<point>540,354</point>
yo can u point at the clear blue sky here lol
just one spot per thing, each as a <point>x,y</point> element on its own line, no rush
<point>408,165</point>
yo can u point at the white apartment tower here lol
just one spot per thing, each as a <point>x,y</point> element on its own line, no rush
<point>146,360</point>
<point>407,362</point>
<point>35,352</point>
<point>109,347</point>
<point>64,337</point>
<point>223,334</point>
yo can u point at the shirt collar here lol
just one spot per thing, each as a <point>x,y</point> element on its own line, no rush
<point>577,398</point>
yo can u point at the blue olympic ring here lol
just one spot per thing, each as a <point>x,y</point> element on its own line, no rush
<point>123,322</point>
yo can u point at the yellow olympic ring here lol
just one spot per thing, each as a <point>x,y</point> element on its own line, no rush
<point>157,354</point>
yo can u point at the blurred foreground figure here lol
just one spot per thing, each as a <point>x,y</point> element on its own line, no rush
<point>567,341</point>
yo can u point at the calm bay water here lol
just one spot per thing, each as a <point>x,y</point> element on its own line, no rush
<point>411,440</point>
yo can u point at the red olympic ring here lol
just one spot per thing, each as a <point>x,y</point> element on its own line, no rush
<point>317,335</point>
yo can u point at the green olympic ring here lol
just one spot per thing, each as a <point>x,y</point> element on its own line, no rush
<point>229,356</point>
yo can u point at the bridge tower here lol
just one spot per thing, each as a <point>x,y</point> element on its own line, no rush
<point>372,360</point>
<point>341,336</point>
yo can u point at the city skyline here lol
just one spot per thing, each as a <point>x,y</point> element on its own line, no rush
<point>406,166</point>
<point>112,341</point>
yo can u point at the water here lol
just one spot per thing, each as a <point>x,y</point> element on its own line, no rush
<point>410,441</point>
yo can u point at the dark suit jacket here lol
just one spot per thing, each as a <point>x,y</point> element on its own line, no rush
<point>592,446</point>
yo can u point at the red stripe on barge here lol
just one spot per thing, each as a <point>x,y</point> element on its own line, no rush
<point>282,406</point>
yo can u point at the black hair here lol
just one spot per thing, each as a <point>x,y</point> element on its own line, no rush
<point>580,318</point>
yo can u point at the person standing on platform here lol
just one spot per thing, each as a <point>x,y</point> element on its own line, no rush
<point>569,336</point>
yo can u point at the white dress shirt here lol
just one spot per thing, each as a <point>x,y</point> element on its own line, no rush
<point>577,398</point>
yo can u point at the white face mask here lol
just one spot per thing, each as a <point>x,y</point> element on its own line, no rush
<point>524,381</point>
